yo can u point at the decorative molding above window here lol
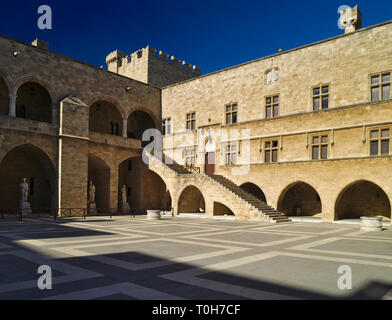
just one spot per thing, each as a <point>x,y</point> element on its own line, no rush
<point>272,74</point>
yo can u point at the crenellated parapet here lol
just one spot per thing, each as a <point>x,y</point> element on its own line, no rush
<point>151,66</point>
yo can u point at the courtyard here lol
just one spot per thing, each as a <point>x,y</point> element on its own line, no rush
<point>198,259</point>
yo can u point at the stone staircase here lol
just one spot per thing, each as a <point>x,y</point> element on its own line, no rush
<point>245,205</point>
<point>268,211</point>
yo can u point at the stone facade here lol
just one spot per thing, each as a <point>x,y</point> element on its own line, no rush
<point>64,122</point>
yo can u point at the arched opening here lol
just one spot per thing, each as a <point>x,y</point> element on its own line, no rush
<point>30,162</point>
<point>300,199</point>
<point>4,97</point>
<point>362,198</point>
<point>145,189</point>
<point>99,174</point>
<point>221,210</point>
<point>105,118</point>
<point>33,102</point>
<point>191,201</point>
<point>138,122</point>
<point>254,190</point>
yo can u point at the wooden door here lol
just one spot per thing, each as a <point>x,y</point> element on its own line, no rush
<point>210,163</point>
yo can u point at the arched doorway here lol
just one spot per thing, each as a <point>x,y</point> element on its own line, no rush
<point>221,210</point>
<point>362,198</point>
<point>138,122</point>
<point>33,102</point>
<point>105,118</point>
<point>254,190</point>
<point>191,201</point>
<point>145,189</point>
<point>99,174</point>
<point>4,97</point>
<point>209,152</point>
<point>28,161</point>
<point>300,199</point>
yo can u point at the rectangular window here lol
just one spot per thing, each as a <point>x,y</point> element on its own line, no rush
<point>231,113</point>
<point>321,97</point>
<point>191,121</point>
<point>166,126</point>
<point>230,154</point>
<point>190,157</point>
<point>271,151</point>
<point>380,86</point>
<point>272,107</point>
<point>319,147</point>
<point>379,142</point>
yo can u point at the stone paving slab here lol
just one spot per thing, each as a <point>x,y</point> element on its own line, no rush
<point>183,258</point>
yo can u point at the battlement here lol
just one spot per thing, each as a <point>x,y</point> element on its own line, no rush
<point>151,66</point>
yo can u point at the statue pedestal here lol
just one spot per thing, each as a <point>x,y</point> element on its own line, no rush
<point>26,208</point>
<point>92,208</point>
<point>124,208</point>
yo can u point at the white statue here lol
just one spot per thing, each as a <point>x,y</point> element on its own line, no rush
<point>24,188</point>
<point>91,193</point>
<point>124,194</point>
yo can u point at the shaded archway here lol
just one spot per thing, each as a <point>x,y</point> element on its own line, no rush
<point>33,102</point>
<point>221,210</point>
<point>362,198</point>
<point>105,118</point>
<point>145,189</point>
<point>254,190</point>
<point>138,122</point>
<point>28,161</point>
<point>4,97</point>
<point>99,174</point>
<point>191,201</point>
<point>299,199</point>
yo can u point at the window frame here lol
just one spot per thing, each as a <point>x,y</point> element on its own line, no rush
<point>271,150</point>
<point>190,154</point>
<point>166,123</point>
<point>380,85</point>
<point>230,156</point>
<point>319,145</point>
<point>271,105</point>
<point>379,139</point>
<point>190,122</point>
<point>320,96</point>
<point>230,113</point>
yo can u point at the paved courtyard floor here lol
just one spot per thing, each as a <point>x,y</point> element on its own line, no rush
<point>180,258</point>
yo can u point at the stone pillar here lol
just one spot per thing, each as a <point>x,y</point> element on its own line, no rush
<point>125,129</point>
<point>113,187</point>
<point>73,154</point>
<point>12,107</point>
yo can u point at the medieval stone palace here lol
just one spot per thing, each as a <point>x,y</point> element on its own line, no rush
<point>304,132</point>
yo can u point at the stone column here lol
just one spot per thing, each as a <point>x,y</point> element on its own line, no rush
<point>124,129</point>
<point>113,186</point>
<point>12,107</point>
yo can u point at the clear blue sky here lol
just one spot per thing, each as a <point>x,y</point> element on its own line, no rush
<point>211,34</point>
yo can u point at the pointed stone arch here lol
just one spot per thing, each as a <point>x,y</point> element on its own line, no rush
<point>255,190</point>
<point>191,200</point>
<point>28,161</point>
<point>106,116</point>
<point>362,198</point>
<point>34,99</point>
<point>300,199</point>
<point>99,174</point>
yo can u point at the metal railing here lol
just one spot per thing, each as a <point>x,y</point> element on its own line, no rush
<point>192,169</point>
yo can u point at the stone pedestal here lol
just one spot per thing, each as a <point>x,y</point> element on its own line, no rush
<point>92,208</point>
<point>25,207</point>
<point>371,224</point>
<point>153,214</point>
<point>124,208</point>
